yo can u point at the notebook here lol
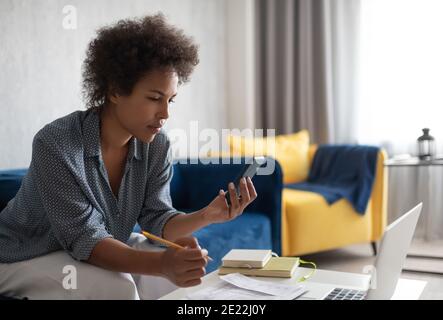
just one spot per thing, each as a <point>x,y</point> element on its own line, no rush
<point>244,258</point>
<point>279,267</point>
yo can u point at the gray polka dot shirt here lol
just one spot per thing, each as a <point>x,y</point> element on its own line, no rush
<point>66,202</point>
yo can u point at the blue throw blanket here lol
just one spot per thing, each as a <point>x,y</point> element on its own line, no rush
<point>342,171</point>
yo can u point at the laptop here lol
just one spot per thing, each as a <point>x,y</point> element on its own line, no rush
<point>388,264</point>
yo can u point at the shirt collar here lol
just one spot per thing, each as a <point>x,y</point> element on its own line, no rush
<point>134,149</point>
<point>91,137</point>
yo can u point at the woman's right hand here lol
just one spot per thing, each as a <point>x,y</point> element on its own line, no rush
<point>184,267</point>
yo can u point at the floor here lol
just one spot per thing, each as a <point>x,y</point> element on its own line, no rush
<point>354,258</point>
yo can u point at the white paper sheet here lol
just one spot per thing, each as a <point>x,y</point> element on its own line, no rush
<point>239,287</point>
<point>271,288</point>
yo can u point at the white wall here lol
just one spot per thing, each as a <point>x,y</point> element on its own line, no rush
<point>40,61</point>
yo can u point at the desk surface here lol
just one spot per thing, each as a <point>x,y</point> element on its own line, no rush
<point>406,289</point>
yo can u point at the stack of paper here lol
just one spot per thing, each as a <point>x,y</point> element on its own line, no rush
<point>239,287</point>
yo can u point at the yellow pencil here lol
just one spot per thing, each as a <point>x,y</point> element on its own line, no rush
<point>166,242</point>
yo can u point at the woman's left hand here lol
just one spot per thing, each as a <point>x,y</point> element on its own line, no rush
<point>219,210</point>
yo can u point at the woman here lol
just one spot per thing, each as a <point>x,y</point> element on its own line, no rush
<point>94,174</point>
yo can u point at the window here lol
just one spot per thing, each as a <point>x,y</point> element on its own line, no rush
<point>401,73</point>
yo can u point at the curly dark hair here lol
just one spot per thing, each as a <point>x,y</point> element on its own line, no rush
<point>123,53</point>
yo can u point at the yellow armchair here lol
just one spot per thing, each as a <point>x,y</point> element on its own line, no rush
<point>310,224</point>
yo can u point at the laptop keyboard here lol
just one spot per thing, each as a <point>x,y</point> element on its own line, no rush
<point>346,294</point>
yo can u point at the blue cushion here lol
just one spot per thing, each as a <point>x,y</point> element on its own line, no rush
<point>251,230</point>
<point>10,182</point>
<point>178,193</point>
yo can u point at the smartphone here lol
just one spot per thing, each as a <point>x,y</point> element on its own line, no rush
<point>248,171</point>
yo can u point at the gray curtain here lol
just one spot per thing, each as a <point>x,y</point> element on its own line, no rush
<point>306,66</point>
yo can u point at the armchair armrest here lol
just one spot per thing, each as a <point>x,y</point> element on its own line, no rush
<point>379,195</point>
<point>194,186</point>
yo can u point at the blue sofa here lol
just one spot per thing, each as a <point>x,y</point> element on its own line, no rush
<point>194,186</point>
